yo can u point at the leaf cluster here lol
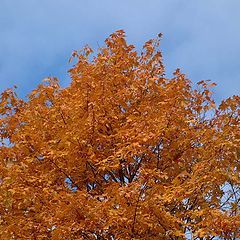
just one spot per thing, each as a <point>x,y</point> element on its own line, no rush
<point>121,153</point>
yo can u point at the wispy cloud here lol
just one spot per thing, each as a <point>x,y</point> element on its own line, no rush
<point>201,37</point>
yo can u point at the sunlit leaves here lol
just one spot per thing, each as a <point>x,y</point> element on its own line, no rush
<point>122,153</point>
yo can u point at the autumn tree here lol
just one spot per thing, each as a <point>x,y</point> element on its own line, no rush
<point>123,152</point>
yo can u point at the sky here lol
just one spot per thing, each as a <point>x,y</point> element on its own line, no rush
<point>201,37</point>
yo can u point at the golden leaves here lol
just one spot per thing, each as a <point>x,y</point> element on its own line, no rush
<point>121,153</point>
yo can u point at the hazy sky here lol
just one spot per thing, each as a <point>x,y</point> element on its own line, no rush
<point>202,37</point>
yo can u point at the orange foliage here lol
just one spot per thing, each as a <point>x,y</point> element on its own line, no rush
<point>122,153</point>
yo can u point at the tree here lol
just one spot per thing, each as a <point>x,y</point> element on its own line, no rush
<point>122,153</point>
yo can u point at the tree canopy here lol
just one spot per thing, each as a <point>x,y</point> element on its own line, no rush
<point>123,152</point>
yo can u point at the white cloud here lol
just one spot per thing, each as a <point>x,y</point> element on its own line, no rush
<point>37,37</point>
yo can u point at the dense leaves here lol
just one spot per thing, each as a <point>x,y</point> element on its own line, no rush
<point>122,153</point>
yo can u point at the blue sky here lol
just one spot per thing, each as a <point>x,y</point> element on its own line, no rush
<point>202,37</point>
